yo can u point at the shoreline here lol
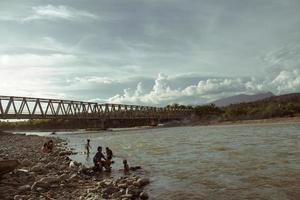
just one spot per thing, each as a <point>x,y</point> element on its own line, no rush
<point>278,120</point>
<point>55,176</point>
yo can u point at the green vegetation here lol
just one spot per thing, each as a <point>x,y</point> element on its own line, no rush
<point>277,106</point>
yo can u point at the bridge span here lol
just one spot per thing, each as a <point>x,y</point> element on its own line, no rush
<point>14,107</point>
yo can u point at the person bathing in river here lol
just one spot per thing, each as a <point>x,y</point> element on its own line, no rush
<point>99,159</point>
<point>109,153</point>
<point>88,147</point>
<point>126,168</point>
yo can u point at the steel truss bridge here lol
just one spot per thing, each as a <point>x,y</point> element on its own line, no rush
<point>13,107</point>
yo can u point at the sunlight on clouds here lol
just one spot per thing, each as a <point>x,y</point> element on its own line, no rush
<point>30,81</point>
<point>50,12</point>
<point>58,12</point>
<point>31,60</point>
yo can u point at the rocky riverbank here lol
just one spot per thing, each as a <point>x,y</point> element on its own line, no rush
<point>55,176</point>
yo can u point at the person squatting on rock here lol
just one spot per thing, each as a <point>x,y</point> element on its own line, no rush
<point>99,159</point>
<point>50,145</point>
<point>45,148</point>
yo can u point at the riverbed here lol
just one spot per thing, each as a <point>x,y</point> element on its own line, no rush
<point>206,162</point>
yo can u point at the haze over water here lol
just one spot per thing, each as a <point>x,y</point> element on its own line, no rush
<point>214,162</point>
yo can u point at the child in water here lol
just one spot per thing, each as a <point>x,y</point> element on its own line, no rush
<point>88,146</point>
<point>126,168</point>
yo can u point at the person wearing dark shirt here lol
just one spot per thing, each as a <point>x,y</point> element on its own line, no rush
<point>98,162</point>
<point>109,153</point>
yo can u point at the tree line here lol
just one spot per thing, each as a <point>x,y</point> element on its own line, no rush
<point>277,106</point>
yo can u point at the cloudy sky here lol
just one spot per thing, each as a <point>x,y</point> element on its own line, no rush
<point>150,52</point>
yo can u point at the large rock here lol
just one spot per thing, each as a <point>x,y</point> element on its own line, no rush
<point>144,196</point>
<point>126,196</point>
<point>45,182</point>
<point>26,163</point>
<point>122,185</point>
<point>73,165</point>
<point>50,180</point>
<point>38,168</point>
<point>110,190</point>
<point>65,153</point>
<point>134,191</point>
<point>19,197</point>
<point>51,165</point>
<point>24,188</point>
<point>63,177</point>
<point>39,186</point>
<point>8,166</point>
<point>143,181</point>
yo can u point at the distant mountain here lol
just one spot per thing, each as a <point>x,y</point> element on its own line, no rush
<point>242,98</point>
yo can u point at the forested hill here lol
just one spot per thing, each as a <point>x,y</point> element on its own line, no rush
<point>276,106</point>
<point>241,98</point>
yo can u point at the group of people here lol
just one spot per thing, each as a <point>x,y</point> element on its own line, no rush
<point>101,161</point>
<point>48,146</point>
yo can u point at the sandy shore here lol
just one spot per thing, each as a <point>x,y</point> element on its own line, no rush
<point>55,176</point>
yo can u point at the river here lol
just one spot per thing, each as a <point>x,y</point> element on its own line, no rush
<point>207,162</point>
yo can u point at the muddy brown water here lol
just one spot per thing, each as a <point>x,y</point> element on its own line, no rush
<point>212,162</point>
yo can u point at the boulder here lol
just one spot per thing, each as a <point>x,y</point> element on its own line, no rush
<point>109,190</point>
<point>38,168</point>
<point>63,177</point>
<point>135,191</point>
<point>144,196</point>
<point>26,163</point>
<point>44,182</point>
<point>51,165</point>
<point>137,184</point>
<point>8,166</point>
<point>38,186</point>
<point>65,153</point>
<point>24,188</point>
<point>92,190</point>
<point>18,197</point>
<point>50,179</point>
<point>123,185</point>
<point>143,181</point>
<point>126,196</point>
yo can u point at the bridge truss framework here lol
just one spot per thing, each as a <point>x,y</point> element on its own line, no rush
<point>13,107</point>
